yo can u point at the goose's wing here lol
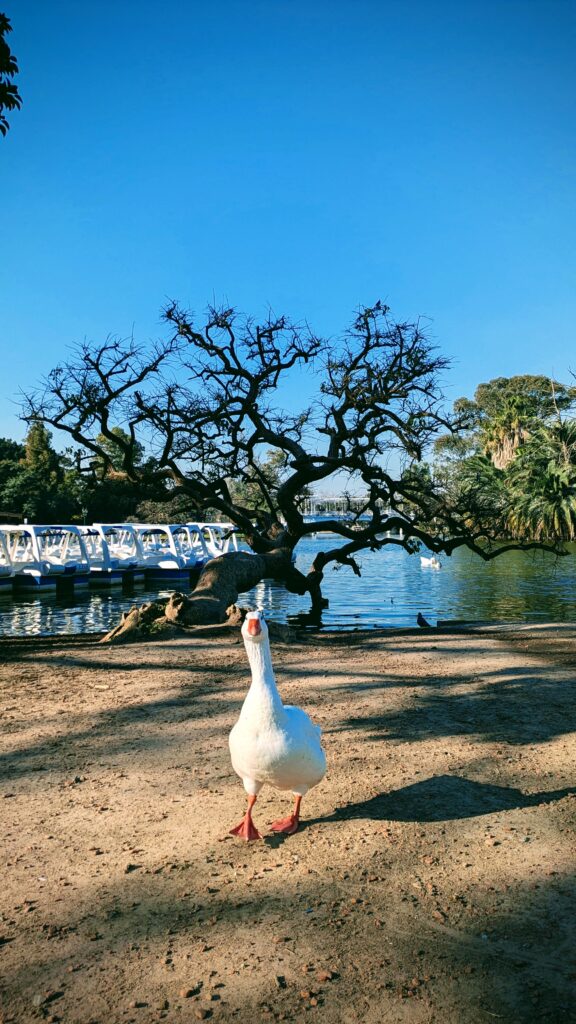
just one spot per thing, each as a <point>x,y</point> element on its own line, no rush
<point>301,722</point>
<point>308,760</point>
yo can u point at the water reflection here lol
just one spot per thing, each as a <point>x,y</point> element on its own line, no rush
<point>517,586</point>
<point>84,612</point>
<point>393,588</point>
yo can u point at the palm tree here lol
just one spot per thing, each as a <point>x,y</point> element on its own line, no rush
<point>505,431</point>
<point>479,494</point>
<point>542,482</point>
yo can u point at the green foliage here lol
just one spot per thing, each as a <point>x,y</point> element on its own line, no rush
<point>106,494</point>
<point>44,486</point>
<point>9,96</point>
<point>37,499</point>
<point>503,414</point>
<point>516,467</point>
<point>11,455</point>
<point>181,509</point>
<point>110,500</point>
<point>481,493</point>
<point>258,489</point>
<point>11,451</point>
<point>514,463</point>
<point>533,397</point>
<point>39,455</point>
<point>114,453</point>
<point>34,479</point>
<point>542,482</point>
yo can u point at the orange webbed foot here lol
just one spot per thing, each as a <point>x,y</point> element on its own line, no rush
<point>246,829</point>
<point>287,825</point>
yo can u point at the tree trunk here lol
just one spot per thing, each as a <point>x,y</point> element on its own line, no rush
<point>213,599</point>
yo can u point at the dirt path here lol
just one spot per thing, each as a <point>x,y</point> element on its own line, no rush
<point>433,880</point>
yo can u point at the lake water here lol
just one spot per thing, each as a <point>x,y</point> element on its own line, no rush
<point>393,588</point>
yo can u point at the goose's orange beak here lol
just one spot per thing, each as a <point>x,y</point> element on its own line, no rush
<point>254,627</point>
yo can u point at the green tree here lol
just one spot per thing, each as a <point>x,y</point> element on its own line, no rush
<point>503,414</point>
<point>37,483</point>
<point>113,499</point>
<point>11,455</point>
<point>181,509</point>
<point>9,96</point>
<point>11,451</point>
<point>113,446</point>
<point>515,461</point>
<point>542,483</point>
<point>108,496</point>
<point>28,494</point>
<point>480,490</point>
<point>261,482</point>
<point>39,455</point>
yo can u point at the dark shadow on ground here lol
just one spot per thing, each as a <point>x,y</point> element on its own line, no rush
<point>515,705</point>
<point>114,731</point>
<point>442,798</point>
<point>520,972</point>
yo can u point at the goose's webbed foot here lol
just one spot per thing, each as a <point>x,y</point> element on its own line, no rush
<point>247,829</point>
<point>290,824</point>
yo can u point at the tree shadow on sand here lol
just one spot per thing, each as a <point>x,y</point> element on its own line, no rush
<point>525,958</point>
<point>442,798</point>
<point>518,705</point>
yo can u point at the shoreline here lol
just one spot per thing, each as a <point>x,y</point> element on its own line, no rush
<point>432,879</point>
<point>13,643</point>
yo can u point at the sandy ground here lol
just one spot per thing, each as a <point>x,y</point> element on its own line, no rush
<point>432,880</point>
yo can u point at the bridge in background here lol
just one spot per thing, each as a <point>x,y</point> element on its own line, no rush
<point>335,506</point>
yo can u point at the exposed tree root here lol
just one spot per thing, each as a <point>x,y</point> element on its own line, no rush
<point>212,603</point>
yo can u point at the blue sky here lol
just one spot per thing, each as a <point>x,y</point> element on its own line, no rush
<point>308,156</point>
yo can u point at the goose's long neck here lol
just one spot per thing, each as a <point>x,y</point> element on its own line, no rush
<point>263,693</point>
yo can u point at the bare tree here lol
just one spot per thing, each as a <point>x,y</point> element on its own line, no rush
<point>203,404</point>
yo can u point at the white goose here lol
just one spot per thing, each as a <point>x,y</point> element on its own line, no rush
<point>272,743</point>
<point>433,562</point>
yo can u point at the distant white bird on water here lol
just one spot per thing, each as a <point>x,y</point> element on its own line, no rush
<point>430,563</point>
<point>271,742</point>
